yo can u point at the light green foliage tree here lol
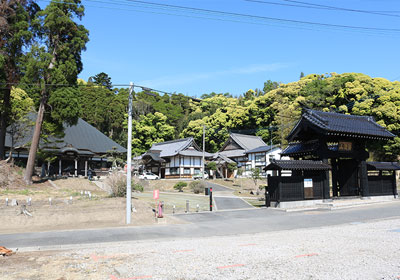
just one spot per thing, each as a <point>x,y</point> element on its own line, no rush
<point>225,114</point>
<point>150,129</point>
<point>21,105</point>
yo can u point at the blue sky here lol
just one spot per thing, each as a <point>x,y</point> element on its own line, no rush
<point>193,55</point>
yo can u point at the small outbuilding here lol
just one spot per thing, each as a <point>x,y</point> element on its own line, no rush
<point>309,180</point>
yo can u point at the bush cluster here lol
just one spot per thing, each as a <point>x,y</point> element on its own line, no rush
<point>197,186</point>
<point>117,184</point>
<point>179,186</point>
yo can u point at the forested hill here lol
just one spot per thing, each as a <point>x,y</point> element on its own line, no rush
<point>273,110</point>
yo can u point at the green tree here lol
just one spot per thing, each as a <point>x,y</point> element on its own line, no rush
<point>21,105</point>
<point>57,61</point>
<point>179,186</point>
<point>95,103</point>
<point>270,85</point>
<point>255,175</point>
<point>15,37</point>
<point>102,79</point>
<point>150,129</point>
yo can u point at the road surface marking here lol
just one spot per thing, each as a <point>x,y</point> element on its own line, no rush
<point>112,277</point>
<point>250,244</point>
<point>183,251</point>
<point>306,255</point>
<point>230,266</point>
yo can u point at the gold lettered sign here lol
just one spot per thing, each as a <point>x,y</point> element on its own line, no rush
<point>345,146</point>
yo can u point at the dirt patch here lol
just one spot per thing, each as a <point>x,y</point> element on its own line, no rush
<point>70,207</point>
<point>10,177</point>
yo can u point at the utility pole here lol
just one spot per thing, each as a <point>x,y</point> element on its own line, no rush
<point>270,134</point>
<point>129,160</point>
<point>204,144</point>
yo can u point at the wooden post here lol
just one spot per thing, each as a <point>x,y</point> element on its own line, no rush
<point>364,179</point>
<point>59,167</point>
<point>326,188</point>
<point>86,168</point>
<point>394,184</point>
<point>334,178</point>
<point>76,167</point>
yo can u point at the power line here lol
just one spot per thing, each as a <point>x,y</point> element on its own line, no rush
<point>339,8</point>
<point>322,7</point>
<point>262,17</point>
<point>240,18</point>
<point>286,5</point>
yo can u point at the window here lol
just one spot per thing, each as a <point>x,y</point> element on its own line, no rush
<point>173,170</point>
<point>248,167</point>
<point>271,157</point>
<point>260,158</point>
<point>186,171</point>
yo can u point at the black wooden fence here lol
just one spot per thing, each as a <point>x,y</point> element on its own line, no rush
<point>381,185</point>
<point>291,188</point>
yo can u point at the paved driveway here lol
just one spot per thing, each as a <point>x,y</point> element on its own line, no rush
<point>231,203</point>
<point>225,200</point>
<point>218,188</point>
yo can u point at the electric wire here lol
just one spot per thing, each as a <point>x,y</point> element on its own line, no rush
<point>337,8</point>
<point>175,10</point>
<point>321,7</point>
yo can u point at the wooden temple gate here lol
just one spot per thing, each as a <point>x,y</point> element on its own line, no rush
<point>338,141</point>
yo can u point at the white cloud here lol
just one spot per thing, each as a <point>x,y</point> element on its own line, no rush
<point>174,80</point>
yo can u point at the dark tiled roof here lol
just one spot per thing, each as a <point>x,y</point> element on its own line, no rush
<point>300,148</point>
<point>375,165</point>
<point>221,159</point>
<point>82,137</point>
<point>247,142</point>
<point>349,125</point>
<point>233,153</point>
<point>194,153</point>
<point>173,147</point>
<point>153,156</point>
<point>262,149</point>
<point>297,165</point>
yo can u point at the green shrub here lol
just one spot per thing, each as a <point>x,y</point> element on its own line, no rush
<point>197,186</point>
<point>179,186</point>
<point>138,187</point>
<point>212,165</point>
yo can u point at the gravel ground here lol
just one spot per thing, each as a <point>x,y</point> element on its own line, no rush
<point>351,251</point>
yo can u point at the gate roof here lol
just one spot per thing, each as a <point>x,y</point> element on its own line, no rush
<point>297,165</point>
<point>375,165</point>
<point>335,124</point>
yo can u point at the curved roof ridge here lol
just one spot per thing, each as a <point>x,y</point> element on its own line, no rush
<point>173,141</point>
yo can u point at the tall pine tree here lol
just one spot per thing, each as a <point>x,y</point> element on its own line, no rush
<point>15,36</point>
<point>56,62</point>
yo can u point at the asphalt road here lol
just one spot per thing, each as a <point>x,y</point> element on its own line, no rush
<point>231,203</point>
<point>208,224</point>
<point>218,188</point>
<point>225,200</point>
